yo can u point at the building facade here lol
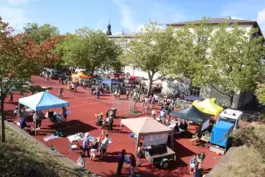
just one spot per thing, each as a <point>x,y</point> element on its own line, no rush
<point>242,100</point>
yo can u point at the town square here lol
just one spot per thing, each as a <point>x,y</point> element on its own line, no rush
<point>176,95</point>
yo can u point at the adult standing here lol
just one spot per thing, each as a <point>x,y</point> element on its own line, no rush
<point>121,160</point>
<point>86,144</point>
<point>132,165</point>
<point>64,112</point>
<point>104,146</point>
<point>110,123</point>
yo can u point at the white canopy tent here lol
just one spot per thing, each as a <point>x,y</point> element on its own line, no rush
<point>146,126</point>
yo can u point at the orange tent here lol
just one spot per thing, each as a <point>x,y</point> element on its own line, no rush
<point>80,75</point>
<point>83,75</point>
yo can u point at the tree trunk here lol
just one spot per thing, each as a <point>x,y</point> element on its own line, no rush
<point>3,119</point>
<point>151,76</point>
<point>231,100</point>
<point>92,71</point>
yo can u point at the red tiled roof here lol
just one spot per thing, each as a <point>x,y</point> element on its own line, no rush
<point>216,21</point>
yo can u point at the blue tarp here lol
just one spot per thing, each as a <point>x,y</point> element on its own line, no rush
<point>43,101</point>
<point>110,81</point>
<point>220,133</point>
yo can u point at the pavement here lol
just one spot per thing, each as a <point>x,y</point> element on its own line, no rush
<point>83,108</point>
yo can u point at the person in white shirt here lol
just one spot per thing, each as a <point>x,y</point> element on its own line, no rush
<point>104,146</point>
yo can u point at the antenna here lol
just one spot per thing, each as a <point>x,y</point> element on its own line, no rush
<point>109,18</point>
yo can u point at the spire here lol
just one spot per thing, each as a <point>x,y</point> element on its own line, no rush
<point>109,29</point>
<point>122,32</point>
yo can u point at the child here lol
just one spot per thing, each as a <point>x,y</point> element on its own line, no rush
<point>153,113</point>
<point>61,93</point>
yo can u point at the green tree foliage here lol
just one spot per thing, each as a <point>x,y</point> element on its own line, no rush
<point>16,64</point>
<point>40,33</point>
<point>90,50</point>
<point>235,60</point>
<point>191,45</point>
<point>226,57</point>
<point>150,50</point>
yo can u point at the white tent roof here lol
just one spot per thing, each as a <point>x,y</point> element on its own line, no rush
<point>145,126</point>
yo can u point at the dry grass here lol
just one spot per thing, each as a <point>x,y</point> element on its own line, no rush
<point>246,162</point>
<point>20,157</point>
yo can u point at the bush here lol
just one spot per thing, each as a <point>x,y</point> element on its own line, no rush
<point>252,136</point>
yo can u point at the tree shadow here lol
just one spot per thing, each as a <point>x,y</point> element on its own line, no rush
<point>72,127</point>
<point>182,151</point>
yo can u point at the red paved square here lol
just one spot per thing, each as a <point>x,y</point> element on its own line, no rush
<point>82,119</point>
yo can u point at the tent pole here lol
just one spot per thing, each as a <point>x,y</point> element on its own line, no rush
<point>172,140</point>
<point>137,145</point>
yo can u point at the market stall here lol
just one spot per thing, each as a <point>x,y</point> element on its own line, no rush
<point>80,76</point>
<point>220,136</point>
<point>155,137</point>
<point>191,114</point>
<point>208,106</point>
<point>110,83</point>
<point>43,101</point>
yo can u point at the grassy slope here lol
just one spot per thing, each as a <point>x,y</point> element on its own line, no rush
<point>20,157</point>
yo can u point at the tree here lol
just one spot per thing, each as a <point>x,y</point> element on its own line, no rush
<point>90,50</point>
<point>16,65</point>
<point>150,50</point>
<point>234,61</point>
<point>41,33</point>
<point>191,45</point>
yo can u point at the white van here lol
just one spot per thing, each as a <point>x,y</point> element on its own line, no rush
<point>232,116</point>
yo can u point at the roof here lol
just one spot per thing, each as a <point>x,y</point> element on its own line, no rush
<point>216,21</point>
<point>122,36</point>
<point>232,114</point>
<point>145,126</point>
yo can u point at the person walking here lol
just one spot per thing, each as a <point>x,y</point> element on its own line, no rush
<point>121,160</point>
<point>61,93</point>
<point>132,165</point>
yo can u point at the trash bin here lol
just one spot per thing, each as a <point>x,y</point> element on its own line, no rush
<point>114,112</point>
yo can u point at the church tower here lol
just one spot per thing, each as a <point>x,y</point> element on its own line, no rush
<point>109,29</point>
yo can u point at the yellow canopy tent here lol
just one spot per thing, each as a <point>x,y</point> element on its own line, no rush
<point>80,75</point>
<point>208,106</point>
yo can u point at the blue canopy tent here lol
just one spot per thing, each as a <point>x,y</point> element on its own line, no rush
<point>111,82</point>
<point>220,133</point>
<point>43,101</point>
<point>191,114</point>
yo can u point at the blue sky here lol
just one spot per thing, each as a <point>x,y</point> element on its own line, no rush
<point>127,15</point>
